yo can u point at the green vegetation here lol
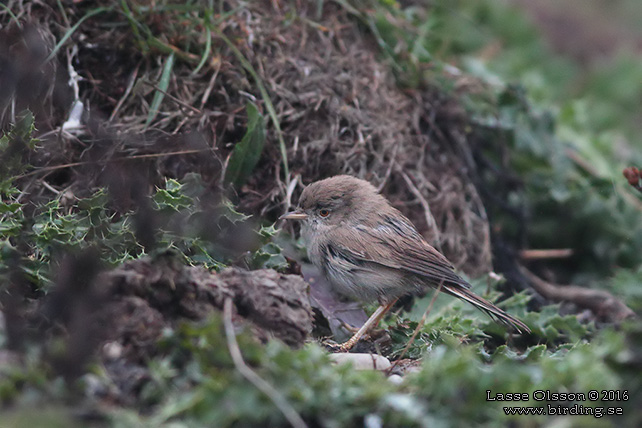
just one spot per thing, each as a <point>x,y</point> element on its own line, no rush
<point>552,151</point>
<point>565,143</point>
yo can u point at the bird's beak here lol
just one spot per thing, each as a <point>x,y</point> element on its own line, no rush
<point>294,215</point>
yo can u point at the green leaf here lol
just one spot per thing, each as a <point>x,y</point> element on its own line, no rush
<point>266,99</point>
<point>9,208</point>
<point>22,130</point>
<point>230,212</point>
<point>71,31</point>
<point>159,95</point>
<point>172,197</point>
<point>9,227</point>
<point>247,153</point>
<point>269,257</point>
<point>268,232</point>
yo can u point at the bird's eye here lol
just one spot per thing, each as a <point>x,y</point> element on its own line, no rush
<point>324,213</point>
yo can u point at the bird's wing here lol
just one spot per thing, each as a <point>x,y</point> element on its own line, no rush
<point>397,245</point>
<point>401,247</point>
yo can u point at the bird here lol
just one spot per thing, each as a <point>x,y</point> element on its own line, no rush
<point>369,251</point>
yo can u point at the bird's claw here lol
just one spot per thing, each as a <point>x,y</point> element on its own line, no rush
<point>339,347</point>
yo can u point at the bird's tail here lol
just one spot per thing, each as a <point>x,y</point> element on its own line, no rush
<point>493,311</point>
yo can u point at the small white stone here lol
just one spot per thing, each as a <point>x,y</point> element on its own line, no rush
<point>362,361</point>
<point>113,350</point>
<point>395,379</point>
<point>372,420</point>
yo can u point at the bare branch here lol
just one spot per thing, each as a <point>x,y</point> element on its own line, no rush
<point>554,253</point>
<point>600,302</point>
<point>279,401</point>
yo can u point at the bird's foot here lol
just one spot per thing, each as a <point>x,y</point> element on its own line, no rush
<point>347,346</point>
<point>340,347</point>
<point>332,346</point>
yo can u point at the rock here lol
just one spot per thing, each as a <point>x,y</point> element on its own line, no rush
<point>395,379</point>
<point>362,361</point>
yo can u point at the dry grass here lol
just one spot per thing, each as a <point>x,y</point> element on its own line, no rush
<point>338,106</point>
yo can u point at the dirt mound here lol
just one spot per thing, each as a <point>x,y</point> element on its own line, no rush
<point>126,311</point>
<point>338,109</point>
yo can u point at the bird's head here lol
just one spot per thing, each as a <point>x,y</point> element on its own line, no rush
<point>336,200</point>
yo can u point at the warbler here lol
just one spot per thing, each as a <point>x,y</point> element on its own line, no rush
<point>370,251</point>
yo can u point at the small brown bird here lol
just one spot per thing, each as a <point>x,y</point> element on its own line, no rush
<point>370,251</point>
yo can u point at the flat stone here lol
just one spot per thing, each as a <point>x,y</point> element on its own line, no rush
<point>362,361</point>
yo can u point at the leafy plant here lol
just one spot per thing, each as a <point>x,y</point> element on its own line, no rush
<point>14,148</point>
<point>247,153</point>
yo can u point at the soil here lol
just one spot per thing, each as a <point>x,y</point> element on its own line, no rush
<point>121,315</point>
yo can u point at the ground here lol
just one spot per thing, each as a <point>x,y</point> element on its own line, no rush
<point>124,237</point>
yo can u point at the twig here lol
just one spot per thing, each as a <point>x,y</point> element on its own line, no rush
<point>430,220</point>
<point>556,253</point>
<point>290,190</point>
<point>600,302</point>
<point>173,98</point>
<point>582,163</point>
<point>73,164</point>
<point>393,161</point>
<point>210,86</point>
<point>50,187</point>
<point>128,89</point>
<point>279,401</point>
<point>422,321</point>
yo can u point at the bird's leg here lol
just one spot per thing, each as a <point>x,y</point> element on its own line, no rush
<point>350,328</point>
<point>372,322</point>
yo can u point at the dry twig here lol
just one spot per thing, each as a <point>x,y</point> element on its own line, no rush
<point>600,302</point>
<point>421,323</point>
<point>430,220</point>
<point>279,401</point>
<point>555,253</point>
<point>129,158</point>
